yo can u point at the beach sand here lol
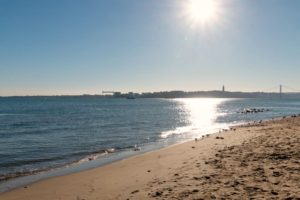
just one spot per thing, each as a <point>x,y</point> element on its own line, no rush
<point>260,160</point>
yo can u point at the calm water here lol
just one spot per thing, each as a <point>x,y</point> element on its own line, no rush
<point>38,133</point>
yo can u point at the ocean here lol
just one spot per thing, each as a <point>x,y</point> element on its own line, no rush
<point>42,137</point>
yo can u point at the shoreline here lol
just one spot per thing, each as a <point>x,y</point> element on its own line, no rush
<point>78,166</point>
<point>145,176</point>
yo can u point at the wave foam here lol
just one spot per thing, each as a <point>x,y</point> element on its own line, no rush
<point>177,131</point>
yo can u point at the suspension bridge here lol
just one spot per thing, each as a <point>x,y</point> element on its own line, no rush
<point>282,90</point>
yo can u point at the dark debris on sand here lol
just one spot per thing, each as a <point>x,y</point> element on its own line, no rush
<point>265,167</point>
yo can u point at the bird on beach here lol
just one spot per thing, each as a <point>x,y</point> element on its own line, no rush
<point>137,148</point>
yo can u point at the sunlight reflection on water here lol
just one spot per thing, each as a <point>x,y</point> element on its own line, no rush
<point>202,113</point>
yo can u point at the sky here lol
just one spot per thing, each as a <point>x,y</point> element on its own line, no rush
<point>55,47</point>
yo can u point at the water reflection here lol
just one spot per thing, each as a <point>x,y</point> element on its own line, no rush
<point>202,114</point>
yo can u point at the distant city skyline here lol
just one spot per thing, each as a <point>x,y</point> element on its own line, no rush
<point>72,47</point>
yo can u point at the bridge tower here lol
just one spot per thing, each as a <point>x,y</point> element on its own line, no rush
<point>280,91</point>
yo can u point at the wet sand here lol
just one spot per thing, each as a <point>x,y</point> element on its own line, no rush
<point>255,161</point>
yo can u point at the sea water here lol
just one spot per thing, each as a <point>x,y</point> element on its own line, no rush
<point>51,136</point>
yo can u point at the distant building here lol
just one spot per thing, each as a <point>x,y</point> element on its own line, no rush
<point>117,94</point>
<point>223,88</point>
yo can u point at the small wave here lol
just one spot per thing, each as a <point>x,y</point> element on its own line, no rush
<point>85,157</point>
<point>6,177</point>
<point>3,114</point>
<point>30,161</point>
<point>194,131</point>
<point>100,153</point>
<point>22,124</point>
<point>177,131</point>
<point>10,114</point>
<point>90,158</point>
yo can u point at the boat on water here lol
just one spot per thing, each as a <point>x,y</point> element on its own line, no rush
<point>130,96</point>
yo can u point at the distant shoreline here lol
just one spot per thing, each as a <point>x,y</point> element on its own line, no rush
<point>176,94</point>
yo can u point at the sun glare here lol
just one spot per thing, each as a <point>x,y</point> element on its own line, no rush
<point>201,12</point>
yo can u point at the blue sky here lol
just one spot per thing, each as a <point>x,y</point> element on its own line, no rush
<point>83,47</point>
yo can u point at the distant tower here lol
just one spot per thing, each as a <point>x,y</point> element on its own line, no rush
<point>280,91</point>
<point>223,88</point>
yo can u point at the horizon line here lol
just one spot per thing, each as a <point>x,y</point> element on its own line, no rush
<point>140,93</point>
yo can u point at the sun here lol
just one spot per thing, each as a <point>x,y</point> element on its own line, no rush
<point>201,9</point>
<point>201,12</point>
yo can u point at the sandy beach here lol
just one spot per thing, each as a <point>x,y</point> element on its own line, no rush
<point>253,161</point>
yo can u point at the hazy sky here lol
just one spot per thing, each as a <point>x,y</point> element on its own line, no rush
<point>86,46</point>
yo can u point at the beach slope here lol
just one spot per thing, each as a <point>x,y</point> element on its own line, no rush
<point>260,160</point>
